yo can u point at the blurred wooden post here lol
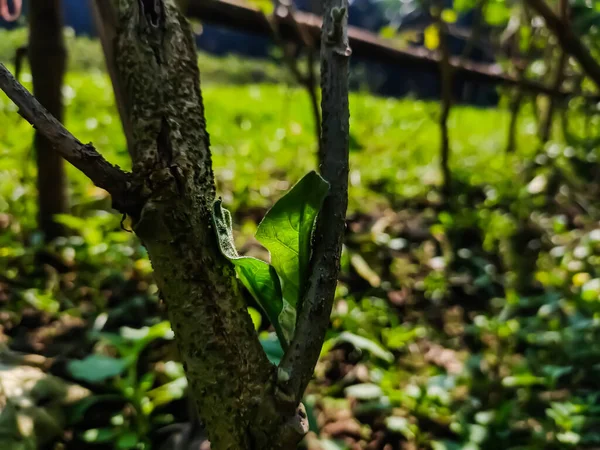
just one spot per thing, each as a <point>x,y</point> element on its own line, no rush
<point>48,58</point>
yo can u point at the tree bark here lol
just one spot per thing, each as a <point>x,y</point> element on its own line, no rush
<point>48,57</point>
<point>297,366</point>
<point>229,375</point>
<point>446,76</point>
<point>243,401</point>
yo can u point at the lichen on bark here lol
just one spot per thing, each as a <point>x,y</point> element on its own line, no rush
<point>228,372</point>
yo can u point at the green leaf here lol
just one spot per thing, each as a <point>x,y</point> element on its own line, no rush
<point>365,344</point>
<point>265,6</point>
<point>272,348</point>
<point>99,435</point>
<point>388,32</point>
<point>329,444</point>
<point>143,336</point>
<point>431,37</point>
<point>257,276</point>
<point>449,16</point>
<point>168,392</point>
<point>127,440</point>
<point>97,368</point>
<point>77,410</point>
<point>522,380</point>
<point>256,318</point>
<point>401,425</point>
<point>497,13</point>
<point>286,231</point>
<point>364,391</point>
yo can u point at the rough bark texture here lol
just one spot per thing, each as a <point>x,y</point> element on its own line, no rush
<point>244,403</point>
<point>48,58</point>
<point>297,366</point>
<point>229,374</point>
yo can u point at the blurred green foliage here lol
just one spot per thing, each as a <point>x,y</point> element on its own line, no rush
<point>471,324</point>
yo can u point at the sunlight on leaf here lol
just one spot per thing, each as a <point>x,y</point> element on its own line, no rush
<point>257,276</point>
<point>365,344</point>
<point>286,231</point>
<point>431,37</point>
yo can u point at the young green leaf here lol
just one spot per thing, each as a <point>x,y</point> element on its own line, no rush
<point>257,276</point>
<point>286,231</point>
<point>97,368</point>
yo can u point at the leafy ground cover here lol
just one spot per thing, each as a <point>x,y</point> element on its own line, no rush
<point>470,324</point>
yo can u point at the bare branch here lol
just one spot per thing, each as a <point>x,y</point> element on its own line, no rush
<point>297,366</point>
<point>308,80</point>
<point>82,156</point>
<point>568,39</point>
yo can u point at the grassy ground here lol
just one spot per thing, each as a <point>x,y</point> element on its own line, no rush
<point>466,325</point>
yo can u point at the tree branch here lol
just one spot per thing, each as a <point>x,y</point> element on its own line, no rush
<point>298,363</point>
<point>308,80</point>
<point>446,78</point>
<point>568,40</point>
<point>83,156</point>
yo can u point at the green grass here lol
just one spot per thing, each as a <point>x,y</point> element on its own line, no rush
<point>262,134</point>
<point>262,139</point>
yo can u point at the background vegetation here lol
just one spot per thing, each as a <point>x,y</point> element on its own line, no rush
<point>470,323</point>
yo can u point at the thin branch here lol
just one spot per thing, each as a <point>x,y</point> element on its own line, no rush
<point>308,80</point>
<point>568,39</point>
<point>298,363</point>
<point>446,78</point>
<point>83,156</point>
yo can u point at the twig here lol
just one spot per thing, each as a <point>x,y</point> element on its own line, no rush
<point>446,78</point>
<point>299,361</point>
<point>568,40</point>
<point>308,80</point>
<point>83,156</point>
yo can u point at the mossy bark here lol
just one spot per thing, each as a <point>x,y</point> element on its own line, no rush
<point>229,374</point>
<point>244,403</point>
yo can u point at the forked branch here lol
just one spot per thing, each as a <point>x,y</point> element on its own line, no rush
<point>297,366</point>
<point>83,156</point>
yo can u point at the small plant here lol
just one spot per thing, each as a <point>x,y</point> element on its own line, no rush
<point>127,431</point>
<point>286,231</point>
